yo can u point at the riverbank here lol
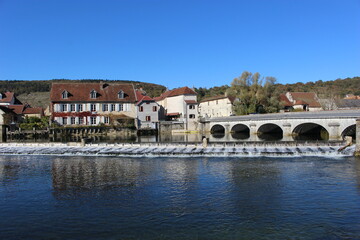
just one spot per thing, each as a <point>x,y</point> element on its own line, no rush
<point>180,149</point>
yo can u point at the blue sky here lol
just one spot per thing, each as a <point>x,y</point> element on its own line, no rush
<point>201,43</point>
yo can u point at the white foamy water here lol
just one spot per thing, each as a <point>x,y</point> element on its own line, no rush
<point>179,150</point>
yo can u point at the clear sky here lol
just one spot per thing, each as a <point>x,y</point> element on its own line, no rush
<point>201,43</point>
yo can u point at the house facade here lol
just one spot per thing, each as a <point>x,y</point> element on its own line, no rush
<point>219,106</point>
<point>93,104</point>
<point>306,101</point>
<point>147,112</point>
<point>180,105</point>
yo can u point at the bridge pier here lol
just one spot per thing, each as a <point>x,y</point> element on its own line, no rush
<point>286,127</point>
<point>357,148</point>
<point>334,131</point>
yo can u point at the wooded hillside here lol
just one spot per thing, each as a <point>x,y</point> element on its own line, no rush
<point>335,89</point>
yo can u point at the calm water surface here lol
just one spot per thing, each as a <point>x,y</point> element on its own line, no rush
<point>50,197</point>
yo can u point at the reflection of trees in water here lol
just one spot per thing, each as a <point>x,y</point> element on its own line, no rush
<point>13,168</point>
<point>86,173</point>
<point>9,171</point>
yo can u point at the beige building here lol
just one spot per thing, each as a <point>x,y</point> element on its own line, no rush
<point>219,106</point>
<point>93,104</point>
<point>180,105</point>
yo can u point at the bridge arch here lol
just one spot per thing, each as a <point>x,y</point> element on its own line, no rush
<point>240,131</point>
<point>310,131</point>
<point>218,131</point>
<point>349,131</point>
<point>270,131</point>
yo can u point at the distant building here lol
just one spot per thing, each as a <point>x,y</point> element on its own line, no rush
<point>306,101</point>
<point>180,105</point>
<point>8,98</point>
<point>218,106</point>
<point>93,104</point>
<point>147,112</point>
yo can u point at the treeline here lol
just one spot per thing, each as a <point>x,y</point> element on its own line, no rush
<point>337,88</point>
<point>26,87</point>
<point>324,89</point>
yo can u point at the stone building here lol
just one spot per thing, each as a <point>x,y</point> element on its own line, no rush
<point>218,106</point>
<point>93,104</point>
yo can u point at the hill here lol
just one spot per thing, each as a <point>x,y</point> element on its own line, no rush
<point>324,89</point>
<point>36,92</point>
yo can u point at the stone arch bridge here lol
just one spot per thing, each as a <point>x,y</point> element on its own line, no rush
<point>332,125</point>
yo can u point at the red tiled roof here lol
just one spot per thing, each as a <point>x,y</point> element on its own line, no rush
<point>309,98</point>
<point>176,92</point>
<point>80,92</point>
<point>140,97</point>
<point>6,97</point>
<point>36,110</point>
<point>18,109</point>
<point>285,100</point>
<point>173,114</point>
<point>6,110</point>
<point>191,102</point>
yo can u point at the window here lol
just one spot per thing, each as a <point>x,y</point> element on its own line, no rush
<point>106,120</point>
<point>92,120</point>
<point>112,107</point>
<point>72,107</point>
<point>63,107</point>
<point>81,120</point>
<point>72,120</point>
<point>64,120</point>
<point>65,94</point>
<point>192,116</point>
<point>121,107</point>
<point>191,106</point>
<point>80,107</point>
<point>105,107</point>
<point>121,94</point>
<point>217,102</point>
<point>93,94</point>
<point>93,107</point>
<point>148,118</point>
<point>154,108</point>
<point>141,108</point>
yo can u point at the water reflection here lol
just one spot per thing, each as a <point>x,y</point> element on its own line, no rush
<point>85,173</point>
<point>179,198</point>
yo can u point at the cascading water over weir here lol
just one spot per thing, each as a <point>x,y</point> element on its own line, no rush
<point>180,150</point>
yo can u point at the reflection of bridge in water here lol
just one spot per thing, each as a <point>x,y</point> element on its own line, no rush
<point>324,125</point>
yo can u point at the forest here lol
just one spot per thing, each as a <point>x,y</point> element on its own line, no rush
<point>26,87</point>
<point>324,89</point>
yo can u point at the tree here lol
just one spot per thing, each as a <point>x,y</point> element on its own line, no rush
<point>255,95</point>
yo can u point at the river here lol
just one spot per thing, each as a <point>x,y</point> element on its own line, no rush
<point>93,197</point>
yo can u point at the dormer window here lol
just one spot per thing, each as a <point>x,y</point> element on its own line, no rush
<point>121,94</point>
<point>65,94</point>
<point>93,94</point>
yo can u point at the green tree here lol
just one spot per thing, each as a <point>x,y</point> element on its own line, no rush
<point>255,94</point>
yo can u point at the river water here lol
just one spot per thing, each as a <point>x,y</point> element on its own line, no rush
<point>87,197</point>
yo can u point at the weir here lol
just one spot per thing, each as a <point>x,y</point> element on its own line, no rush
<point>181,149</point>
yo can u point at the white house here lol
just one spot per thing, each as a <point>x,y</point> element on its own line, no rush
<point>93,104</point>
<point>147,112</point>
<point>218,106</point>
<point>180,105</point>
